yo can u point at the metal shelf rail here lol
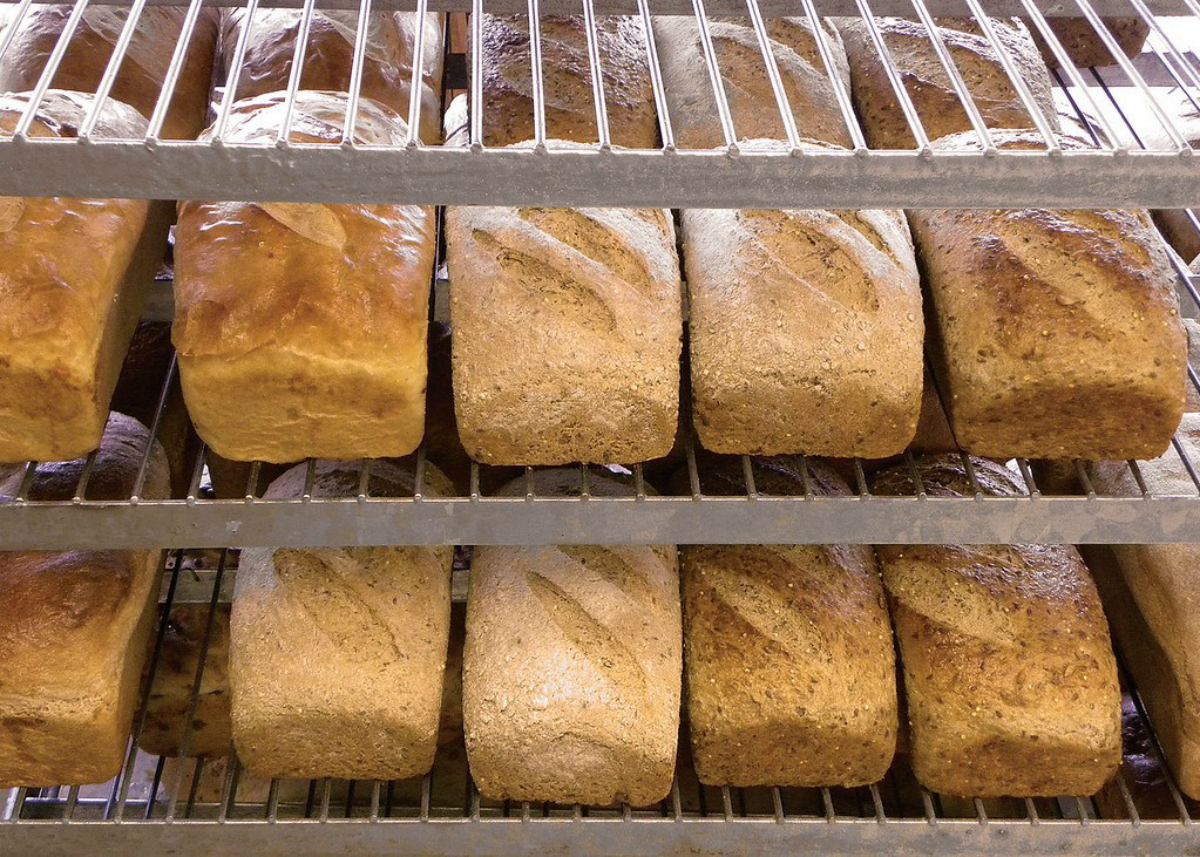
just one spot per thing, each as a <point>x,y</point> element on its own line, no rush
<point>212,806</point>
<point>1163,175</point>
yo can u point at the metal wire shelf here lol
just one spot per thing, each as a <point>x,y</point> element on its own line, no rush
<point>212,805</point>
<point>1163,174</point>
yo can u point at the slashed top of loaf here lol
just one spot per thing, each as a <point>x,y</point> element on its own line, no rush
<point>313,278</point>
<point>1016,284</point>
<point>567,80</point>
<point>754,109</point>
<point>929,85</point>
<point>946,475</point>
<point>342,479</point>
<point>61,255</point>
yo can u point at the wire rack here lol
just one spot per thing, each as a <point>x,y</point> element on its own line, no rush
<point>211,805</point>
<point>655,515</point>
<point>1115,174</point>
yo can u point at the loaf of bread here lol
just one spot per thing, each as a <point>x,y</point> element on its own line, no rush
<point>1084,46</point>
<point>1154,609</point>
<point>301,328</point>
<point>1009,673</point>
<point>329,57</point>
<point>567,81</point>
<point>139,81</point>
<point>587,305</point>
<point>1176,224</point>
<point>77,628</point>
<point>169,698</point>
<point>791,673</point>
<point>803,312</point>
<point>572,667</point>
<point>752,104</point>
<point>1057,333</point>
<point>929,86</point>
<point>1143,773</point>
<point>337,654</point>
<point>74,276</point>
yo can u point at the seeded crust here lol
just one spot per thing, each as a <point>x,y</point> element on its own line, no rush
<point>752,104</point>
<point>567,80</point>
<point>337,654</point>
<point>809,314</point>
<point>567,329</point>
<point>791,673</point>
<point>1009,673</point>
<point>929,86</point>
<point>1082,44</point>
<point>1154,604</point>
<point>329,57</point>
<point>1056,333</point>
<point>77,627</point>
<point>572,667</point>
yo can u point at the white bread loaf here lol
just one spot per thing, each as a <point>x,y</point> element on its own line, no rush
<point>74,275</point>
<point>329,57</point>
<point>301,328</point>
<point>76,628</point>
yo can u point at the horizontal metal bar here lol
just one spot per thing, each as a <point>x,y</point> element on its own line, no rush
<point>537,836</point>
<point>693,179</point>
<point>654,520</point>
<point>769,8</point>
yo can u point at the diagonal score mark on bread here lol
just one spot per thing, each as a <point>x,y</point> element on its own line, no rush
<point>612,658</point>
<point>12,208</point>
<point>329,587</point>
<point>313,221</point>
<point>579,231</point>
<point>768,611</point>
<point>611,565</point>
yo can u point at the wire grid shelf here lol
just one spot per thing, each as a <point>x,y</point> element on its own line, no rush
<point>211,805</point>
<point>653,516</point>
<point>1115,174</point>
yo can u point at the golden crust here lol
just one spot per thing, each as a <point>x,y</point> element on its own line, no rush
<point>301,329</point>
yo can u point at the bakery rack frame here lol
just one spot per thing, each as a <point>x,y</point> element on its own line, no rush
<point>1163,174</point>
<point>196,520</point>
<point>212,806</point>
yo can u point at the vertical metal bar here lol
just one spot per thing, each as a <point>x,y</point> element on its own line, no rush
<point>1023,91</point>
<point>656,80</point>
<point>1085,481</point>
<point>877,800</point>
<point>374,809</point>
<point>273,801</point>
<point>972,477</point>
<point>956,81</point>
<point>1137,477</point>
<point>326,790</point>
<point>252,481</point>
<point>419,478</point>
<point>110,71</point>
<point>413,138</point>
<point>927,803</point>
<point>364,479</point>
<point>777,804</point>
<point>693,471</point>
<point>915,474</point>
<point>27,481</point>
<point>585,488</point>
<point>1187,461</point>
<point>426,795</point>
<point>310,477</point>
<point>827,800</point>
<point>52,63</point>
<point>1031,811</point>
<point>529,483</point>
<point>1127,797</point>
<point>980,811</point>
<point>297,72</point>
<point>233,771</point>
<point>714,76</point>
<point>159,116</point>
<point>85,476</point>
<point>18,804</point>
<point>235,72</point>
<point>155,784</point>
<point>535,68</point>
<point>1132,73</point>
<point>160,408</point>
<point>198,682</point>
<point>476,75</point>
<point>805,480</point>
<point>893,76</point>
<point>1027,475</point>
<point>72,802</point>
<point>354,93</point>
<point>845,102</point>
<point>748,477</point>
<point>593,49</point>
<point>126,774</point>
<point>1033,13</point>
<point>781,100</point>
<point>474,481</point>
<point>860,479</point>
<point>639,482</point>
<point>193,489</point>
<point>14,25</point>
